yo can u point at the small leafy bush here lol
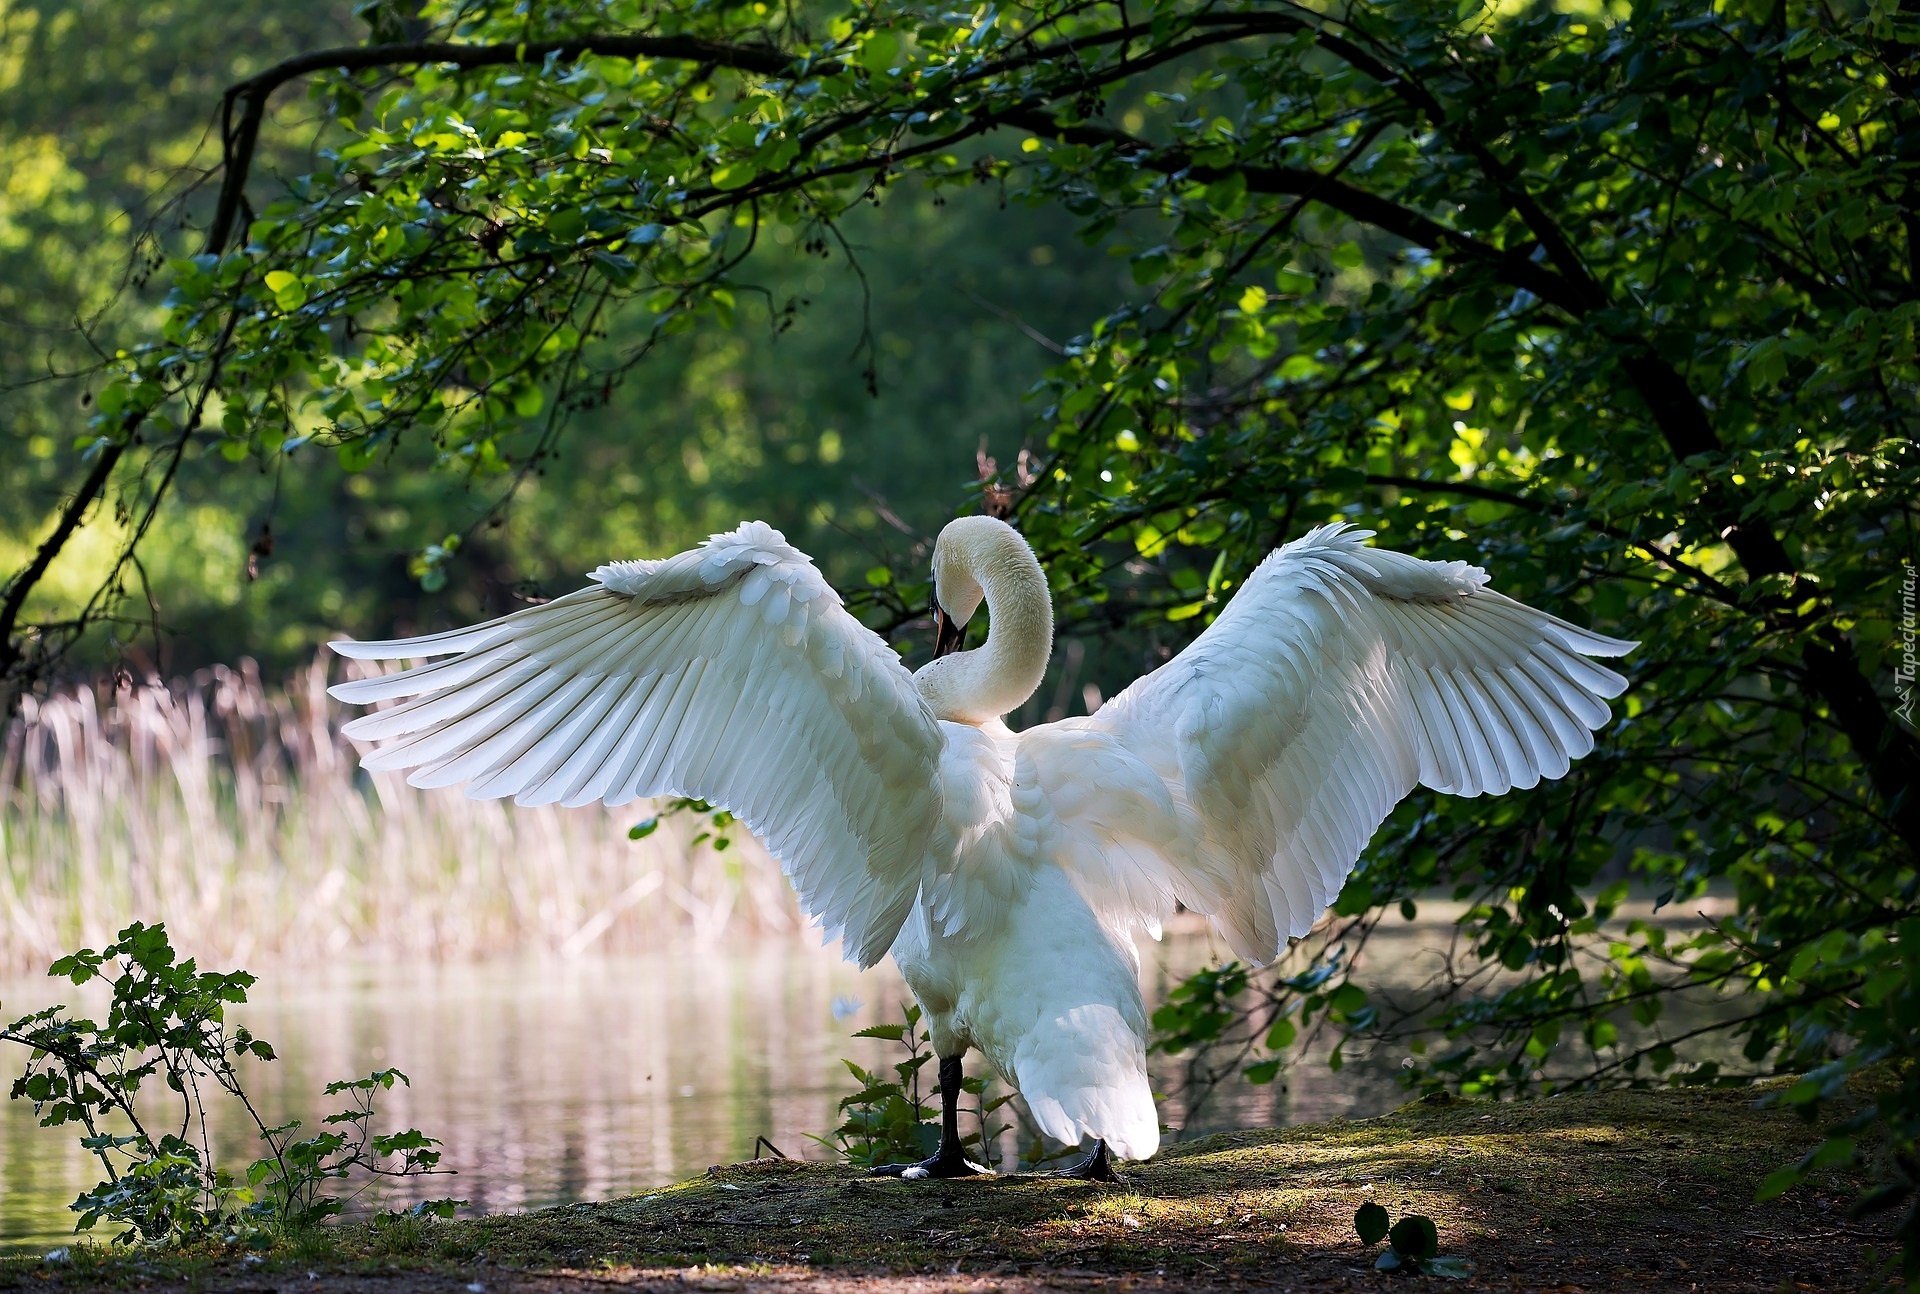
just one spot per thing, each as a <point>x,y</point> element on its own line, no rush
<point>167,1022</point>
<point>897,1120</point>
<point>1413,1244</point>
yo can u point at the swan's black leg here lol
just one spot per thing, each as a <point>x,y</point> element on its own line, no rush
<point>949,1160</point>
<point>1096,1167</point>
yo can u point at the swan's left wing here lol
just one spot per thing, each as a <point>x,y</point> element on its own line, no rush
<point>730,673</point>
<point>1338,678</point>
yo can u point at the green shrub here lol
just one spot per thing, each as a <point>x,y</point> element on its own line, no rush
<point>167,1022</point>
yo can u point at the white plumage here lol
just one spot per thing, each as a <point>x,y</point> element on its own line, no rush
<point>1006,871</point>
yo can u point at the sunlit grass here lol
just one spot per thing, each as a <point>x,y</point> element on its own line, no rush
<point>239,816</point>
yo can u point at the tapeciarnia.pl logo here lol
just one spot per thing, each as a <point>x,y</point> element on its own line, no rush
<point>1903,670</point>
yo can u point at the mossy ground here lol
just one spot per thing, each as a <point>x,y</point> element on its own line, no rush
<point>1609,1191</point>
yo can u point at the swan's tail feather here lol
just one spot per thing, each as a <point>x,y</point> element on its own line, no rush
<point>1084,1075</point>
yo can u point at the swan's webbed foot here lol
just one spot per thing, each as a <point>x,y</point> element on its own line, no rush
<point>1096,1167</point>
<point>949,1160</point>
<point>947,1163</point>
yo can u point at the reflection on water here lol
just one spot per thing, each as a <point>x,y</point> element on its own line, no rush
<point>558,1081</point>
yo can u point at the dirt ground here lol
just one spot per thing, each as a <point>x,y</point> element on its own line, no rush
<point>1621,1191</point>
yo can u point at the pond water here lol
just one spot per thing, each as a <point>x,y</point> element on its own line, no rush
<point>551,1082</point>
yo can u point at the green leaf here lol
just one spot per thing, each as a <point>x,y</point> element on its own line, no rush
<point>1347,999</point>
<point>879,52</point>
<point>1415,1236</point>
<point>1370,1221</point>
<point>1832,1152</point>
<point>1778,1183</point>
<point>289,290</point>
<point>355,455</point>
<point>614,268</point>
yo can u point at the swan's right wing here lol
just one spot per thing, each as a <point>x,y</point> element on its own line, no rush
<point>732,674</point>
<point>1338,678</point>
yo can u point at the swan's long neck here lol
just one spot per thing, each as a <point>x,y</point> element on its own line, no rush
<point>997,678</point>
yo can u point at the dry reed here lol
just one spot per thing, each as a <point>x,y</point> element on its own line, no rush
<point>240,817</point>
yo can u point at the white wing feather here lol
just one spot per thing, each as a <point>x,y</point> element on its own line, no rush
<point>1337,679</point>
<point>730,673</point>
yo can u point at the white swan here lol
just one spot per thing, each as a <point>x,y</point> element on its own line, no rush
<point>1006,871</point>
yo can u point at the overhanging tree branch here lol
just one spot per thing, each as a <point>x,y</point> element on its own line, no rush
<point>25,581</point>
<point>250,96</point>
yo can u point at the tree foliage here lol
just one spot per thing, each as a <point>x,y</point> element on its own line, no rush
<point>268,557</point>
<point>1621,305</point>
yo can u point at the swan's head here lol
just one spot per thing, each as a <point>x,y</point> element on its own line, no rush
<point>976,559</point>
<point>966,549</point>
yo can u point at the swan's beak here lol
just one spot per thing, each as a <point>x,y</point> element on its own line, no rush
<point>947,634</point>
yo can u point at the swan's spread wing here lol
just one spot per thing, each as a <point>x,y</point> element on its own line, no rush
<point>730,673</point>
<point>1338,678</point>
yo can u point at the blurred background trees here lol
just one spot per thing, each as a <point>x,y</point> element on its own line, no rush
<point>854,423</point>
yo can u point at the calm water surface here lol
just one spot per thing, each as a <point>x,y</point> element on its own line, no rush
<point>556,1082</point>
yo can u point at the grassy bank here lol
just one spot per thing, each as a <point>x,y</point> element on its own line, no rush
<point>1614,1191</point>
